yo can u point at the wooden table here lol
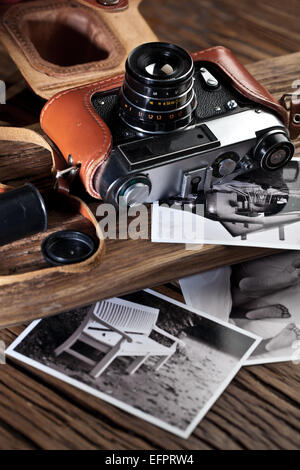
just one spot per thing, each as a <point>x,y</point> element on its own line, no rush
<point>127,264</point>
<point>260,409</point>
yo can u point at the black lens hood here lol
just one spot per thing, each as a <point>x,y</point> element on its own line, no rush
<point>147,53</point>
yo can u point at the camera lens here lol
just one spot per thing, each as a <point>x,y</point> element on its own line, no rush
<point>157,95</point>
<point>274,150</point>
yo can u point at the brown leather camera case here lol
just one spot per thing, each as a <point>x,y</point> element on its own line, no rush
<point>88,139</point>
<point>60,44</point>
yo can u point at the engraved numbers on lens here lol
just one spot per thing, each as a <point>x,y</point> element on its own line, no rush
<point>159,87</point>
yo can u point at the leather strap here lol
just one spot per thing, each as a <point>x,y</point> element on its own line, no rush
<point>291,102</point>
<point>62,195</point>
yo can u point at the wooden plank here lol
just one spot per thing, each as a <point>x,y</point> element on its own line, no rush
<point>260,409</point>
<point>128,264</point>
<point>253,30</point>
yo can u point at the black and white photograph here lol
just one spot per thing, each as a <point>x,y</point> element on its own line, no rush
<point>258,209</point>
<point>260,296</point>
<point>145,353</point>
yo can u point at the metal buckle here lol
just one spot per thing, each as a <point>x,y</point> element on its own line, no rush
<point>70,173</point>
<point>287,98</point>
<point>72,170</point>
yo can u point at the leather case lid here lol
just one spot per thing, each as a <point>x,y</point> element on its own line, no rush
<point>70,120</point>
<point>241,79</point>
<point>60,44</point>
<point>60,39</point>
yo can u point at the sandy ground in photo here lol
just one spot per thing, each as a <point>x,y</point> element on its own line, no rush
<point>175,394</point>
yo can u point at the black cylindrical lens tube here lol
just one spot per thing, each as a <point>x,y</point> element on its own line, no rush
<point>22,213</point>
<point>274,150</point>
<point>157,95</point>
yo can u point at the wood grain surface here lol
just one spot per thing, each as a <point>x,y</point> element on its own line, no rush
<point>127,264</point>
<point>254,30</point>
<point>260,408</point>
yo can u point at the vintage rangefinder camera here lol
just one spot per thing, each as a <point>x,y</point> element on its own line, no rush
<point>173,126</point>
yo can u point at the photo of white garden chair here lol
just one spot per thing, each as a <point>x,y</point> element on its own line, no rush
<point>117,328</point>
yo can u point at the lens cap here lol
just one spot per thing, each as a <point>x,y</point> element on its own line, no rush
<point>67,247</point>
<point>22,213</point>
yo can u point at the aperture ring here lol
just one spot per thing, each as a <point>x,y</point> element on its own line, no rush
<point>127,104</point>
<point>159,93</point>
<point>156,104</point>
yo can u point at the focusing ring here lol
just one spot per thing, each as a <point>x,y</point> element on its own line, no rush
<point>157,95</point>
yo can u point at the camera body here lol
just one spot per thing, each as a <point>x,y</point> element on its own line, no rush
<point>176,127</point>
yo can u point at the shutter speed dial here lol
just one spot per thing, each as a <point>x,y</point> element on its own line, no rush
<point>134,191</point>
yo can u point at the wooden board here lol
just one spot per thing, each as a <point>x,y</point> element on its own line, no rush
<point>260,408</point>
<point>128,265</point>
<point>253,30</point>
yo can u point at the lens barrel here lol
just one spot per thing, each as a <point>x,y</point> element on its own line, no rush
<point>274,150</point>
<point>157,95</point>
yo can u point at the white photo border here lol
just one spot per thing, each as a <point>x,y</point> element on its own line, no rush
<point>10,351</point>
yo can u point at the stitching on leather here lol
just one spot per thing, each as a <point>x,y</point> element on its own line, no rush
<point>269,100</point>
<point>92,164</point>
<point>43,65</point>
<point>236,79</point>
<point>116,78</point>
<point>91,89</point>
<point>123,4</point>
<point>96,164</point>
<point>27,44</point>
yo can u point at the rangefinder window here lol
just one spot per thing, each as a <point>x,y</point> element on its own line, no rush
<point>156,150</point>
